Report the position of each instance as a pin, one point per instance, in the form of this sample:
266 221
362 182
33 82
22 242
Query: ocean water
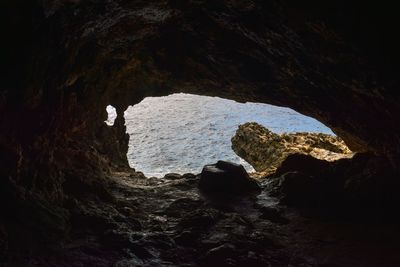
181 133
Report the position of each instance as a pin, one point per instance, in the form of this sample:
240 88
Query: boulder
303 180
226 178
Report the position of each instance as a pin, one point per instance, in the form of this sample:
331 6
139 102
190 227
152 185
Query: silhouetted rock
348 187
225 178
305 181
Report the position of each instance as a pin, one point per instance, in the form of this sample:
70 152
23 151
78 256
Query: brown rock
266 150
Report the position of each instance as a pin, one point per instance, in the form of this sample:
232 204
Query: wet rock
266 150
225 178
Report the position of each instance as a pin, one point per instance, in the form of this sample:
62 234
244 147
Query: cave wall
118 52
65 61
261 51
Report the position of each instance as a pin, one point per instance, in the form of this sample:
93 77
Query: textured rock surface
360 186
155 222
266 150
226 178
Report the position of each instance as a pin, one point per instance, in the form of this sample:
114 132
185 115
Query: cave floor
155 222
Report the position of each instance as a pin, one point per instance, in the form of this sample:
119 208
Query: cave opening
111 115
181 133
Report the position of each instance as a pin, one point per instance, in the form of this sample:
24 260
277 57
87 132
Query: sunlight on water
181 133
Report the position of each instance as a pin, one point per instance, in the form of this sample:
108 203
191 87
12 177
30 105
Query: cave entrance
112 115
181 133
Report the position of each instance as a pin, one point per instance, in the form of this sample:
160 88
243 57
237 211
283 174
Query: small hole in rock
112 115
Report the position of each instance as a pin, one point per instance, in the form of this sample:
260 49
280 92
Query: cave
68 196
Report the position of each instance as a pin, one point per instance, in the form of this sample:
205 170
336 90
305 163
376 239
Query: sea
181 133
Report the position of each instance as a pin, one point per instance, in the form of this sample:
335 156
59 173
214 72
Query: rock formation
266 150
226 178
355 187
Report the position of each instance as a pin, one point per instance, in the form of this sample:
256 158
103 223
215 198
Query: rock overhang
245 55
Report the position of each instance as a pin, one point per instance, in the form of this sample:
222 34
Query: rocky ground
167 222
266 150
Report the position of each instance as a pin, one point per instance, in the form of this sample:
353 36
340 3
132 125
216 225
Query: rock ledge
266 150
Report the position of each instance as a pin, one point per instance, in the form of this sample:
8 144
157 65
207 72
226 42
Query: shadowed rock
350 187
225 178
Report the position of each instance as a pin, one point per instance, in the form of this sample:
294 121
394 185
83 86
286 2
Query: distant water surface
181 133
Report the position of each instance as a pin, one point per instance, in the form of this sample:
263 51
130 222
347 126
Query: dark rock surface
168 223
350 187
226 178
